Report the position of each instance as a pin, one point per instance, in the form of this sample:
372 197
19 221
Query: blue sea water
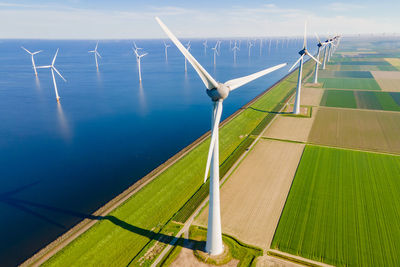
59 162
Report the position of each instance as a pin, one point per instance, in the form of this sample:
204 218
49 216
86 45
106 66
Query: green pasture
344 74
343 209
349 83
120 237
339 98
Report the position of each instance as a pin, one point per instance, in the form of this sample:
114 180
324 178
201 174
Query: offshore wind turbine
138 57
166 50
96 54
205 47
250 45
33 60
53 69
216 52
235 49
319 45
302 53
217 92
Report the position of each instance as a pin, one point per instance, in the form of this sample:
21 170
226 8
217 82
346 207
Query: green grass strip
343 209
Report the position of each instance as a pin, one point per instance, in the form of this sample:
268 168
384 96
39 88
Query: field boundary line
296 259
362 109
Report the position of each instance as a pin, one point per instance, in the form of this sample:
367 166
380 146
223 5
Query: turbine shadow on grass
30 206
269 111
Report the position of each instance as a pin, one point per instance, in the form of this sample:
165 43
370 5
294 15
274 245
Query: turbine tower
53 69
33 60
138 57
166 50
188 49
250 45
217 92
302 53
319 45
96 54
205 47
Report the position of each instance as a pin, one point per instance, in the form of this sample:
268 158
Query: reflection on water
37 83
142 99
63 123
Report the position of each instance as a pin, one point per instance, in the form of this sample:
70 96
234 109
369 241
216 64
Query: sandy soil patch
388 80
395 62
252 199
310 96
269 261
291 128
186 258
359 129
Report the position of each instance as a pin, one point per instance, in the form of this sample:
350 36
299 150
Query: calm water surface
59 162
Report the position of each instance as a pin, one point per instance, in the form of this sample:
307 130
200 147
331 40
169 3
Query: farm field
358 129
343 209
395 62
350 83
291 128
344 74
253 197
388 80
361 100
119 237
310 96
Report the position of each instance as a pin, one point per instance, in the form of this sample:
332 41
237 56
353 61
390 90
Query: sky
127 19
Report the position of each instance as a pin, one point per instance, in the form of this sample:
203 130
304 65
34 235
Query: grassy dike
116 239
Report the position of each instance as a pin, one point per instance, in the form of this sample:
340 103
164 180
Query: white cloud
340 6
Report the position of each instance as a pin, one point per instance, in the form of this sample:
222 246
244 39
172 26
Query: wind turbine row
217 92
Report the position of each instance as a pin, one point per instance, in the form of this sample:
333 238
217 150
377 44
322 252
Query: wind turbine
53 69
205 47
216 52
96 54
33 60
217 92
319 45
250 45
234 49
188 49
138 57
166 50
302 53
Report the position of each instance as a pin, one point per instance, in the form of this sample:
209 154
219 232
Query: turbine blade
54 59
59 73
295 63
43 67
208 81
143 55
305 35
313 58
97 53
213 138
26 50
316 35
235 83
95 49
37 52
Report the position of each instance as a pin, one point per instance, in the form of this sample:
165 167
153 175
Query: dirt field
359 129
388 80
291 128
310 96
253 198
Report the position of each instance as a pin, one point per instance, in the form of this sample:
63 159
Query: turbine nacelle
219 93
303 51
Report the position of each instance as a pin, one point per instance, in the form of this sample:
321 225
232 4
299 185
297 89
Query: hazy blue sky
204 18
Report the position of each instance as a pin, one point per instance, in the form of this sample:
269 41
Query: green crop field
344 74
361 99
339 98
119 237
364 67
374 63
343 209
350 83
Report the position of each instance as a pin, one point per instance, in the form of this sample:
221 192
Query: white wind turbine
138 57
216 52
302 53
96 54
166 50
53 69
188 49
217 92
250 45
205 47
33 60
235 49
320 46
